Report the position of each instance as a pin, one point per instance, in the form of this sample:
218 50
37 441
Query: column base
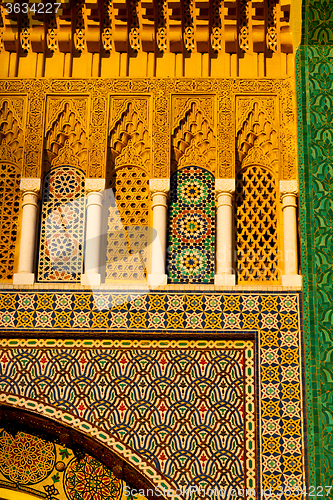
225 280
291 280
155 280
23 279
91 279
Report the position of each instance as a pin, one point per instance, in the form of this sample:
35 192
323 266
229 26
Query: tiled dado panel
158 395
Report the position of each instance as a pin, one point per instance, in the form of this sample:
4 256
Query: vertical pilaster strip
30 191
93 236
288 193
225 142
315 148
159 189
224 191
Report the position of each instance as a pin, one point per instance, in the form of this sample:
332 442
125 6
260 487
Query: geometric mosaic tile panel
191 237
189 411
103 312
62 226
32 368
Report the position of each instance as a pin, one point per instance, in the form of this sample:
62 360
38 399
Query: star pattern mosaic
103 311
62 226
191 238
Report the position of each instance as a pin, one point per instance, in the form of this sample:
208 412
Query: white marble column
224 191
288 193
159 189
94 212
30 191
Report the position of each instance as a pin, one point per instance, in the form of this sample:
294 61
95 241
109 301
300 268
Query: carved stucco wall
77 111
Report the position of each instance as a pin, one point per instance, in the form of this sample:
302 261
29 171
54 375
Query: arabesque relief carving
12 130
151 143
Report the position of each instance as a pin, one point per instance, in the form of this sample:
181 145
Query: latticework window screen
62 225
191 238
127 225
256 225
9 214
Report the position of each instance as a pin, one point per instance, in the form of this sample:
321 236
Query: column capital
224 186
159 186
30 184
94 185
288 188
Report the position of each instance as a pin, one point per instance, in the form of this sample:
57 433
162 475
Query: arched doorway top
75 432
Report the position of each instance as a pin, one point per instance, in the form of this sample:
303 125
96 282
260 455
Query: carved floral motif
158 129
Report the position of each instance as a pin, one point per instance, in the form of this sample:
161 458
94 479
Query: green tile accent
314 67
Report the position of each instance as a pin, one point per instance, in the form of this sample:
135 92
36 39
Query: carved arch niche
66 137
11 152
60 256
129 166
256 198
193 139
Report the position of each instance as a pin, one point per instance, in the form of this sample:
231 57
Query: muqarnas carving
193 138
63 206
257 241
128 203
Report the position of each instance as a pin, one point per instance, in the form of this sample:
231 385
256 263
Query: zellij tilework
191 408
191 240
314 65
62 226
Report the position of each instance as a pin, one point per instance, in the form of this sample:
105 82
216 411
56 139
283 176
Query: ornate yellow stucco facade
150 285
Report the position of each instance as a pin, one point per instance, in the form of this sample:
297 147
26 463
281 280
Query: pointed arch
191 234
128 204
11 134
129 136
257 139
